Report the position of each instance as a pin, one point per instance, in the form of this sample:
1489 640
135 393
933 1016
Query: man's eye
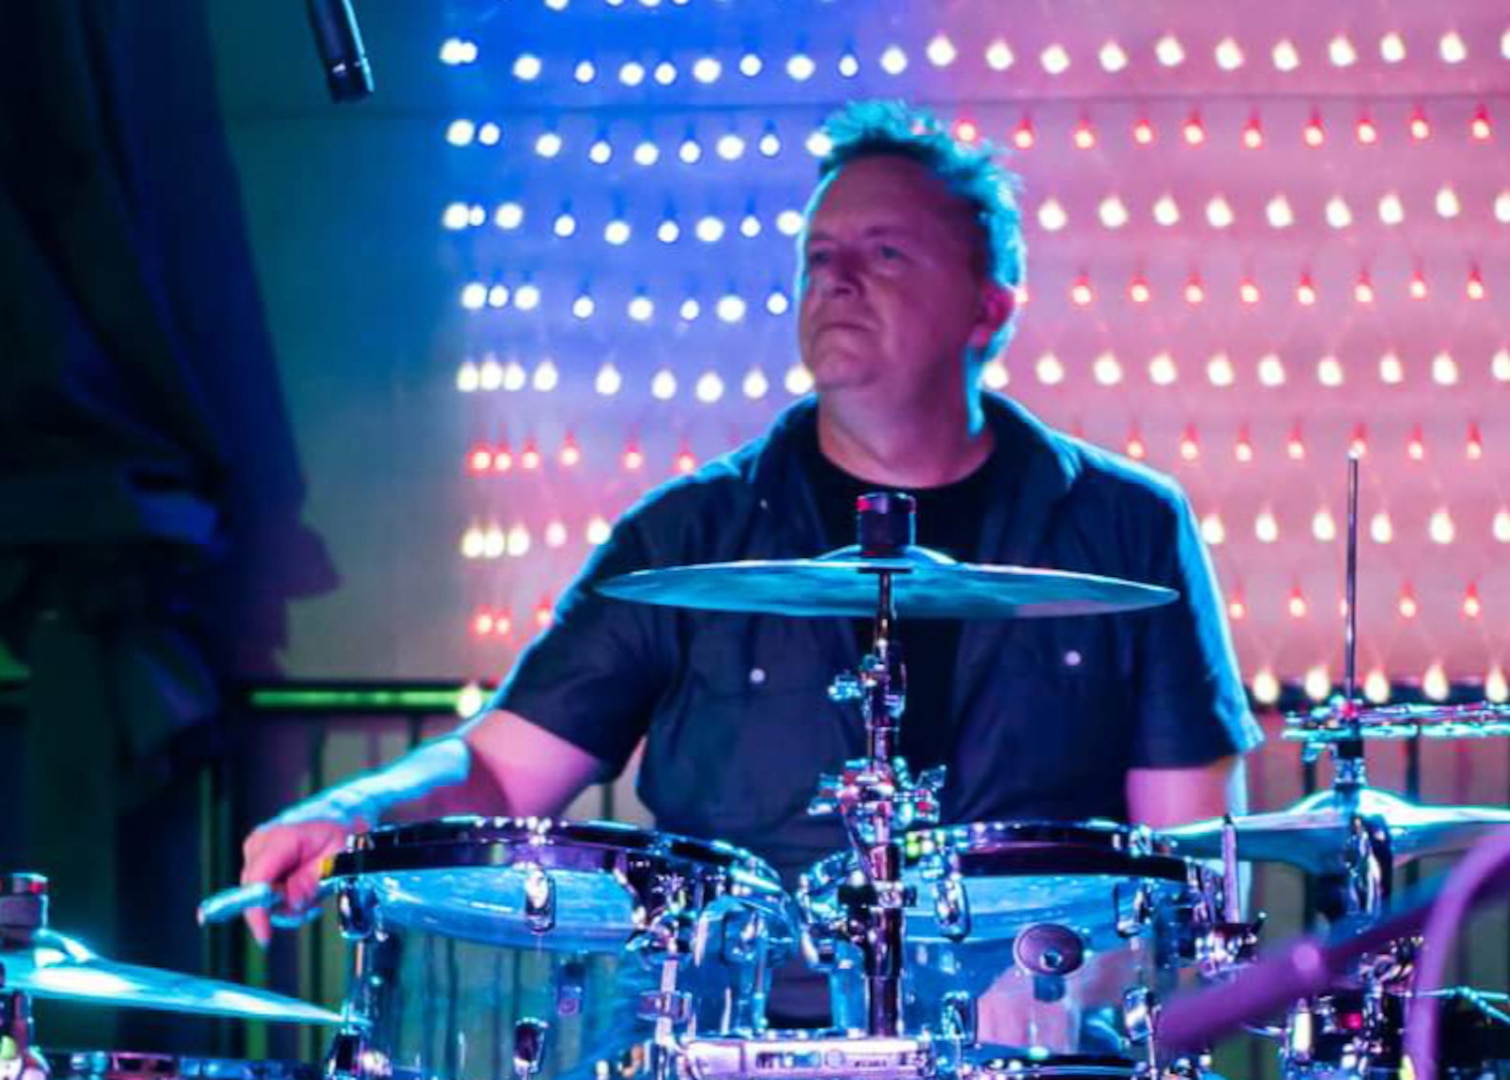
887 251
817 258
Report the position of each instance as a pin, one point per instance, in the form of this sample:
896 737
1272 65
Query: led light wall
1259 238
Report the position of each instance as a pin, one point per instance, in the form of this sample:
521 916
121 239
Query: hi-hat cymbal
55 966
1333 724
1312 833
925 584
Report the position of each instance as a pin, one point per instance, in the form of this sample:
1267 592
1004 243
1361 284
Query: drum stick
227 904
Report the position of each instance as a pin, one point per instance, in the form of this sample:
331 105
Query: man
910 260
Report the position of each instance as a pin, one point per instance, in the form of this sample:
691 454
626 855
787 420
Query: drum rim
413 846
987 849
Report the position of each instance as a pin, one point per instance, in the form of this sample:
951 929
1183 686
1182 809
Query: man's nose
840 277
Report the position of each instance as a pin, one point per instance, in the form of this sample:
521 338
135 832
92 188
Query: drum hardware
352 1057
803 1056
354 905
529 1046
539 900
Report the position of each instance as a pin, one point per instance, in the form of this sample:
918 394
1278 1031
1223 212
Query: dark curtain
149 487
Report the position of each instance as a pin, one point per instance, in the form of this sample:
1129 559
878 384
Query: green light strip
378 699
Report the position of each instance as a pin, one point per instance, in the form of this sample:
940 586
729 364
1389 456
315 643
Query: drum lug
539 900
1134 908
1140 1008
951 906
530 1045
672 1005
355 905
351 1058
957 1025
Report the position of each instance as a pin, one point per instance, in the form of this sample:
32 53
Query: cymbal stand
875 795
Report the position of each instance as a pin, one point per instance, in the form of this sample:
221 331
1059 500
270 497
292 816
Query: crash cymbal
926 584
1312 833
1331 724
52 965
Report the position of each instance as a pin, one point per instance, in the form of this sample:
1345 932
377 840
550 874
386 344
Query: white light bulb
598 531
617 232
690 311
461 132
1213 531
1338 216
994 375
1391 209
583 307
1448 204
1380 529
1324 526
893 60
646 153
1266 527
1441 528
1434 684
1166 211
1453 49
546 377
1049 369
1501 526
1113 57
1162 370
668 232
750 65
777 303
641 309
600 152
710 230
1271 371
632 74
527 67
1266 688
490 375
1341 52
730 147
498 296
1051 215
663 385
789 222
1392 48
941 51
1169 51
999 55
1502 207
518 541
690 152
1444 369
849 65
800 68
755 385
1219 213
665 73
457 216
798 380
1318 683
565 226
515 378
1285 56
1106 370
1376 687
749 226
1219 370
585 72
1279 213
1499 366
730 308
608 380
707 70
1391 370
819 144
1055 60
1329 372
709 388
1229 55
467 377
1113 212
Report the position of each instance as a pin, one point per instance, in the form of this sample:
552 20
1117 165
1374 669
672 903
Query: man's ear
997 302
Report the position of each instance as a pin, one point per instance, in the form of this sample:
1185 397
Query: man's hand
289 857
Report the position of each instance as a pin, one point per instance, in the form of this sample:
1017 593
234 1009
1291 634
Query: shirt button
1072 658
757 676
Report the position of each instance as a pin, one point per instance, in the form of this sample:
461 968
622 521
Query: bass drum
499 947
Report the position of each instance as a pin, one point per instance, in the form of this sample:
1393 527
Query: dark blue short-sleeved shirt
1049 715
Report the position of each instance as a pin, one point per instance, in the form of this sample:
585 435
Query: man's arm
498 763
1162 798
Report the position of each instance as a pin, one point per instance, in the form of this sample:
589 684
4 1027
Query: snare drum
489 948
1050 943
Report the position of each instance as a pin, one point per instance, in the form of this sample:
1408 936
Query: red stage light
1253 133
1242 449
966 131
634 458
1409 607
1248 291
1190 446
1479 127
482 623
1195 292
1475 446
1136 449
1023 136
1081 292
1138 292
1473 607
503 459
1418 290
1193 130
1475 286
1358 446
544 613
1297 605
571 453
480 459
529 456
685 462
1084 135
1305 292
1315 134
1143 132
1416 447
1420 127
1295 445
1363 291
1368 134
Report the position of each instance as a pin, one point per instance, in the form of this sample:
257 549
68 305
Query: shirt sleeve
592 677
1192 707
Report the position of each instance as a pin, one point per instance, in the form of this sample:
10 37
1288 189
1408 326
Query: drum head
553 885
132 1065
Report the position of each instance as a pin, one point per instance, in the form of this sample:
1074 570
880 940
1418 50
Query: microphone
339 43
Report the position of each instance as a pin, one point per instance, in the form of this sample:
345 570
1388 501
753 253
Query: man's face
892 298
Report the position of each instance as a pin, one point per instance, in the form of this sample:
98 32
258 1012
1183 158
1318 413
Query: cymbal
55 966
1311 833
925 584
1330 724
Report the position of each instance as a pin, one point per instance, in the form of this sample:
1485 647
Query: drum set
534 949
